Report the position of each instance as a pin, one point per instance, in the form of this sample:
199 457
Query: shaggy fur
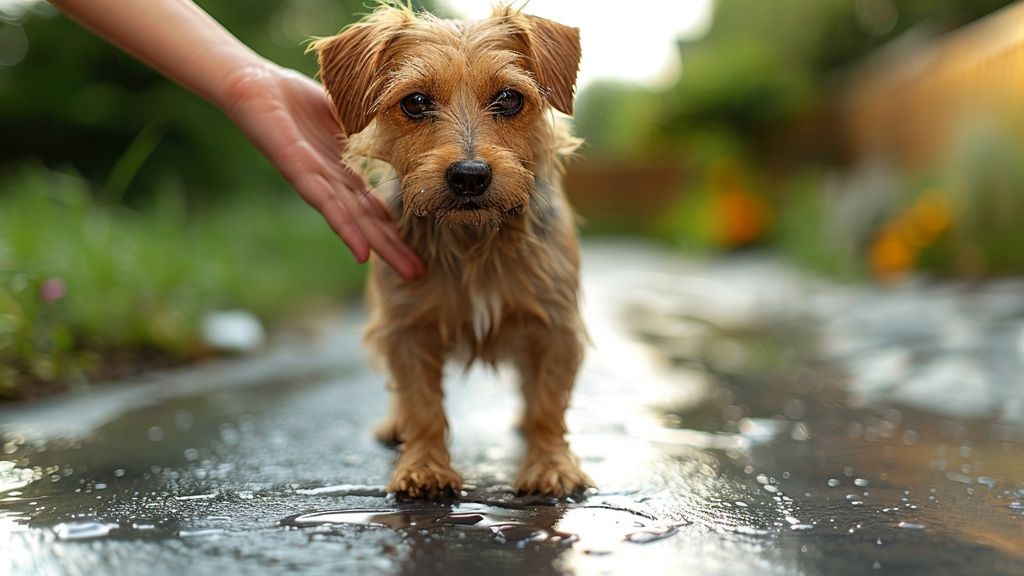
502 267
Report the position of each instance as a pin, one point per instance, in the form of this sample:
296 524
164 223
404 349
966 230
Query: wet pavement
737 417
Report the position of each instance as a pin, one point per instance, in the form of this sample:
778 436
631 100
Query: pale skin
285 114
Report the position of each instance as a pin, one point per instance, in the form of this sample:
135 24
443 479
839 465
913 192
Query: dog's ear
553 50
352 62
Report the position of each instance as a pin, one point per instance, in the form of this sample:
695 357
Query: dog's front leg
416 361
548 365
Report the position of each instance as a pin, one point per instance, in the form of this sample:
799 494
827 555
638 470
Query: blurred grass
85 286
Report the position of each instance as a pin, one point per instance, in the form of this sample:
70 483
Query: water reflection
882 414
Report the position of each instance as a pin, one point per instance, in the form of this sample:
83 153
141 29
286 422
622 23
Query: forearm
175 37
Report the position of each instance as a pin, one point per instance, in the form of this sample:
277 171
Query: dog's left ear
553 50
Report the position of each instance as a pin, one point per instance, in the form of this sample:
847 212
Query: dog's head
458 109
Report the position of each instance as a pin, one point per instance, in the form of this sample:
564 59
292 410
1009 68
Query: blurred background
865 140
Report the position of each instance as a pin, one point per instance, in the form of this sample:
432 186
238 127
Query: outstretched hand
289 118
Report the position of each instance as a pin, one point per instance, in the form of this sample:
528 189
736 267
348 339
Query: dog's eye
507 103
417 105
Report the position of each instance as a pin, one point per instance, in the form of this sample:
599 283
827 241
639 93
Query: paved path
738 418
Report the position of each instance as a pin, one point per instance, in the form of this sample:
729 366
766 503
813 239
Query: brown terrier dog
459 112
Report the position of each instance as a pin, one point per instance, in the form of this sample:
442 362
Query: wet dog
456 117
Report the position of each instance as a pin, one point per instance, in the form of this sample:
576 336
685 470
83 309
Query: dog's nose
469 177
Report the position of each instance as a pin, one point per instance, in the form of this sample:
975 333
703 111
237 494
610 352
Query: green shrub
83 283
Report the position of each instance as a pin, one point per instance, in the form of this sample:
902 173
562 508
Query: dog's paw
386 432
424 478
555 475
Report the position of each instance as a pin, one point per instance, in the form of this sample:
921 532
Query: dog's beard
444 208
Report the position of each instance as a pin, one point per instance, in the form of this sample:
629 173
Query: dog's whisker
375 187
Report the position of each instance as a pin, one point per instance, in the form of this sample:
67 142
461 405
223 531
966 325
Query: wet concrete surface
737 417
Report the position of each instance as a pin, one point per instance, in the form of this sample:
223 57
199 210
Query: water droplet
83 530
183 420
467 519
877 565
832 482
794 409
155 434
800 433
743 504
909 437
861 482
801 527
345 490
200 533
119 473
1016 505
229 436
911 526
197 497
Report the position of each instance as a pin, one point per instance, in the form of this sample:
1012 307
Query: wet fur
502 277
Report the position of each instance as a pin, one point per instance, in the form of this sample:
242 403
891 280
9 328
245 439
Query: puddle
592 528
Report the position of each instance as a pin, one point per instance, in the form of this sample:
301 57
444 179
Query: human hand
288 117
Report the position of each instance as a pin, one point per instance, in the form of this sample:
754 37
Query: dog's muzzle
468 177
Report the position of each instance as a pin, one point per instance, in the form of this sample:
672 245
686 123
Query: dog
459 115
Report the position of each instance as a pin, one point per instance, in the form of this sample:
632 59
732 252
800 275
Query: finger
345 210
377 208
385 242
349 232
316 190
379 230
386 223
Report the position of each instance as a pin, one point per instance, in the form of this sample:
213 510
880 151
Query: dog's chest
485 312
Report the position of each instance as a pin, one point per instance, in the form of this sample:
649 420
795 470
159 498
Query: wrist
233 75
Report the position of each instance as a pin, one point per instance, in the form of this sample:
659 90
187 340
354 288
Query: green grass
136 282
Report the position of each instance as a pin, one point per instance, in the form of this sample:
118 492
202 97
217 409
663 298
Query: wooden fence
909 102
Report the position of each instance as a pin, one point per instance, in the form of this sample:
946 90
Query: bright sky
632 42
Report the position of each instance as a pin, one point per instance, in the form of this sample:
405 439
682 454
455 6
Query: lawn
89 290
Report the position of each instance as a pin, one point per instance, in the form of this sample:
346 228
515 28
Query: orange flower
741 217
891 256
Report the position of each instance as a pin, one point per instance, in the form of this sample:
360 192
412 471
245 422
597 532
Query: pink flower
53 289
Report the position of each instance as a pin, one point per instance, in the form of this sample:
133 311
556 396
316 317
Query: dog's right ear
352 62
552 51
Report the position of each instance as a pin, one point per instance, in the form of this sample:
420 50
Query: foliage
765 71
80 280
77 103
959 218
